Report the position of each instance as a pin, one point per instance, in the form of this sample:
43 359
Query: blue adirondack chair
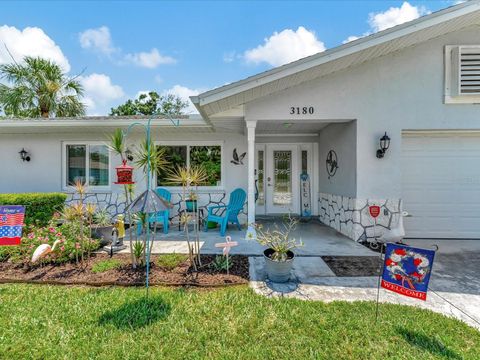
162 217
235 205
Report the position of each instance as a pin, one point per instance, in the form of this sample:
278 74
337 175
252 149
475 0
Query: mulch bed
125 275
353 265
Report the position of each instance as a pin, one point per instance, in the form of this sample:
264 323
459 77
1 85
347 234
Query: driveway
454 280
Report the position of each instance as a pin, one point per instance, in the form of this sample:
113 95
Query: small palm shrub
171 261
221 263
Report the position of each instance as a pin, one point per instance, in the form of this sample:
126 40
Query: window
89 163
207 156
462 74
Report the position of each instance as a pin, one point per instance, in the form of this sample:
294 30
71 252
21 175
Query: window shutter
469 70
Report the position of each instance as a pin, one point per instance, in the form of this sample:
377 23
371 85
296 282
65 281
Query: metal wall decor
331 163
237 160
24 155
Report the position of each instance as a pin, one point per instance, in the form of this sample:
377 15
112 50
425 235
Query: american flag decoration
11 223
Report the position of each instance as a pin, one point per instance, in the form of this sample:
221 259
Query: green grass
106 265
170 261
48 322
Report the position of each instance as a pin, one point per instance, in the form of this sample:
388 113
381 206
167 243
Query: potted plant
278 256
191 202
102 227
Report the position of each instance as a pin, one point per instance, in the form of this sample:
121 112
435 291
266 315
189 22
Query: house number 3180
297 110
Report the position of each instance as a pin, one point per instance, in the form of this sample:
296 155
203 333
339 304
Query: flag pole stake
380 267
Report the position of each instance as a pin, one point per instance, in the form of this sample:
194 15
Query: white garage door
441 185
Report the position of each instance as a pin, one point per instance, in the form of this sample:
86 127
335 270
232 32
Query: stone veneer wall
115 203
350 216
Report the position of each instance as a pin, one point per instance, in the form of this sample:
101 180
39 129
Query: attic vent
462 74
469 71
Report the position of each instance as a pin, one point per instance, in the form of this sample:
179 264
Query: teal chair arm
216 207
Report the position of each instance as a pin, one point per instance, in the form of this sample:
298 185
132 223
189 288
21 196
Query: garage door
441 185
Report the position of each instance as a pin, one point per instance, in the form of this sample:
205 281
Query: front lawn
57 322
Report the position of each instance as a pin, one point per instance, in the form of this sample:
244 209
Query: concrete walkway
318 240
454 278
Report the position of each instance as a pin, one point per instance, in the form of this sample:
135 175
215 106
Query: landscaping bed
101 270
354 265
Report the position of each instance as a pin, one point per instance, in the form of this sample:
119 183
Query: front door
282 182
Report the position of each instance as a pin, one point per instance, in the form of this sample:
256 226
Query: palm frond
116 142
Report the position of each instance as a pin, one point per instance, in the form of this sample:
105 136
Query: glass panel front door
282 173
282 177
260 179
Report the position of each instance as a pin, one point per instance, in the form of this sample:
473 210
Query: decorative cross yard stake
226 247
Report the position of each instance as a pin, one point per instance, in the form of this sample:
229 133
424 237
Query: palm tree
39 87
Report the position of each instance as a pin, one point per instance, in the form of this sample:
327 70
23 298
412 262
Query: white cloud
97 39
351 38
150 59
184 93
285 46
391 17
100 40
99 91
395 16
31 41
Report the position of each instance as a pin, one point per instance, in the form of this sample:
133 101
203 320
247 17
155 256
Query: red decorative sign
374 211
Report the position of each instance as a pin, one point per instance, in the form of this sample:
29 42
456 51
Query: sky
119 49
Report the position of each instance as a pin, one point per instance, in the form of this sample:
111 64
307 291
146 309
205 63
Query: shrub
171 261
106 265
221 263
39 207
67 249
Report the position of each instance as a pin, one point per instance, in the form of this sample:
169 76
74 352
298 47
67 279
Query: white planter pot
278 271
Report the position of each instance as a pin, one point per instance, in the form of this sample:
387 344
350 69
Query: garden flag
11 223
406 270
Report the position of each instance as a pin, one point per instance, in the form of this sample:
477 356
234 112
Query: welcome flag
407 270
11 223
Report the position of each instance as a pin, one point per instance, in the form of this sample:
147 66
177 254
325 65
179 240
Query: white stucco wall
44 172
403 90
342 138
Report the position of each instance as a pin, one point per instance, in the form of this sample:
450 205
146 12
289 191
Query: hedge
39 207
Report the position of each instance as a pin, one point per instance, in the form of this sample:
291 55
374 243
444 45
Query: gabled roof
353 53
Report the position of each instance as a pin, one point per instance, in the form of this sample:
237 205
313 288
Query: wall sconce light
384 144
24 155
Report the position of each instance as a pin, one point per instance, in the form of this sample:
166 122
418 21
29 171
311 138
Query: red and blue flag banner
11 223
407 270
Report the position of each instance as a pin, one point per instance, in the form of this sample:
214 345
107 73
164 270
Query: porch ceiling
279 127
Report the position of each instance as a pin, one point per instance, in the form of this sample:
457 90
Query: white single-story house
323 115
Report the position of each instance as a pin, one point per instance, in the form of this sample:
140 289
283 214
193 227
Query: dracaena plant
189 178
278 238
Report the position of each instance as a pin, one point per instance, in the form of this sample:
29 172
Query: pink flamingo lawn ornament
43 250
226 247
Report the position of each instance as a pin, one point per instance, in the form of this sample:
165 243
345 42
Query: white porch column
251 124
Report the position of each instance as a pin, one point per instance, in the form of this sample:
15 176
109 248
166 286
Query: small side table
200 219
